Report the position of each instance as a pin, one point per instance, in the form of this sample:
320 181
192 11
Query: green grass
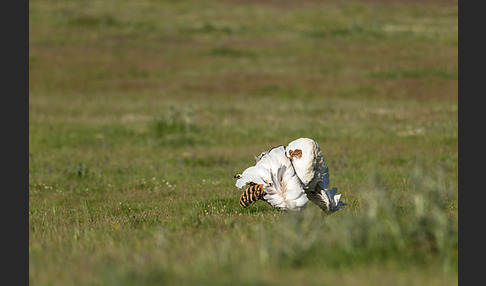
141 112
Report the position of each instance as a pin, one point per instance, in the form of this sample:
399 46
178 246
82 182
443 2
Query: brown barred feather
297 153
252 194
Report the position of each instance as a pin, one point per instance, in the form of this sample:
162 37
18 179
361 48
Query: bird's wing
326 199
324 177
256 174
282 186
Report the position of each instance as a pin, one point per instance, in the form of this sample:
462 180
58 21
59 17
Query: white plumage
292 175
274 170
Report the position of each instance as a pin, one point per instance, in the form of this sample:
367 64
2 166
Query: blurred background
141 112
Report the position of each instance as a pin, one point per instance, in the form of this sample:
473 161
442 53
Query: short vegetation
141 113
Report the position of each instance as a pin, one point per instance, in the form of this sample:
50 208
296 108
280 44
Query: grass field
141 112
